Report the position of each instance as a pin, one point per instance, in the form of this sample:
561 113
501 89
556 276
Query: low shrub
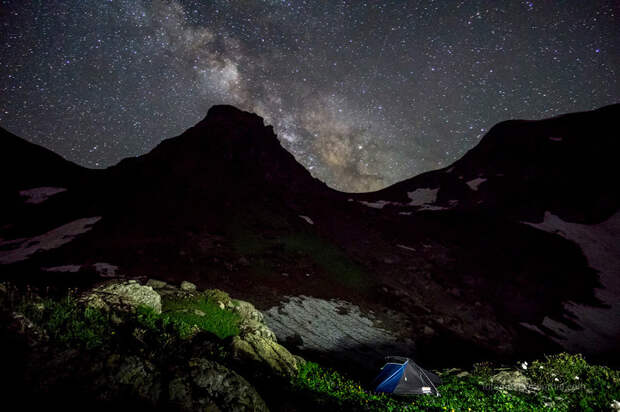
599 387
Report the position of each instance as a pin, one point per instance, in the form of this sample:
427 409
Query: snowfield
420 197
328 326
600 246
40 194
63 268
378 204
106 270
16 250
474 183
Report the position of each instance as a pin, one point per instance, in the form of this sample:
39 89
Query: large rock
187 286
257 343
266 353
122 296
218 388
141 375
247 311
512 381
254 327
252 322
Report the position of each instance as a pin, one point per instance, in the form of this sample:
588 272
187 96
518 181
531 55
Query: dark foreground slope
495 255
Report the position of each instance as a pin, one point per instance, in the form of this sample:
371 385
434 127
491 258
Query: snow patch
307 219
16 250
404 213
327 326
533 328
473 184
406 247
377 205
555 139
40 194
63 268
432 207
421 197
601 248
105 270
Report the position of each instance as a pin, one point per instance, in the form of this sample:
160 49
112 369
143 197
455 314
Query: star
364 94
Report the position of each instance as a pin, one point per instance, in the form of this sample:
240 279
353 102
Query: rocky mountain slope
127 345
496 254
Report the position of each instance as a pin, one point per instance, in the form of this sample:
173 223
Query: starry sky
363 93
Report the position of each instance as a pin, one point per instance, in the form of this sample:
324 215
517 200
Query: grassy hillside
559 382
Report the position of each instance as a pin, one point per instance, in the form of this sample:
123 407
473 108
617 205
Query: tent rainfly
402 376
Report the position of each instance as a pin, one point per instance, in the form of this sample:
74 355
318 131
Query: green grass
327 256
566 382
291 247
66 321
599 386
202 312
63 320
267 238
585 387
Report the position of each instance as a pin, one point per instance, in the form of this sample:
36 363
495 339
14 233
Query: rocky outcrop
122 296
135 370
257 343
512 380
252 321
266 354
226 390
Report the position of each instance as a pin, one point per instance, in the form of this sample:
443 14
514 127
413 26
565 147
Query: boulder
221 298
254 327
512 380
180 393
156 284
247 311
266 353
188 286
141 376
257 343
219 388
122 296
251 322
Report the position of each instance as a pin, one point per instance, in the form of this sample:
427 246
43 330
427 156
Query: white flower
556 379
524 365
576 377
540 367
615 405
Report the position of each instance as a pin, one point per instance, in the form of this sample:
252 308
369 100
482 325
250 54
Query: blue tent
402 376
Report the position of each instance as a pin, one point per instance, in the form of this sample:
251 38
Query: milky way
364 94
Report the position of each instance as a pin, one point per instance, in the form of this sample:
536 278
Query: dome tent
402 376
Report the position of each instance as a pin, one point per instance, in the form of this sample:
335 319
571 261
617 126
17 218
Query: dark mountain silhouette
450 257
24 164
520 169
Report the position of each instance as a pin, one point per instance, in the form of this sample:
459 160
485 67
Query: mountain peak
231 115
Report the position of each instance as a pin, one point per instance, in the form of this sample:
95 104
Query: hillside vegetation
164 347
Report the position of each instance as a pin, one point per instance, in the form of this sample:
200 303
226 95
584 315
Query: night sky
364 94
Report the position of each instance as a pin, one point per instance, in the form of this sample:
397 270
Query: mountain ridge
427 261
